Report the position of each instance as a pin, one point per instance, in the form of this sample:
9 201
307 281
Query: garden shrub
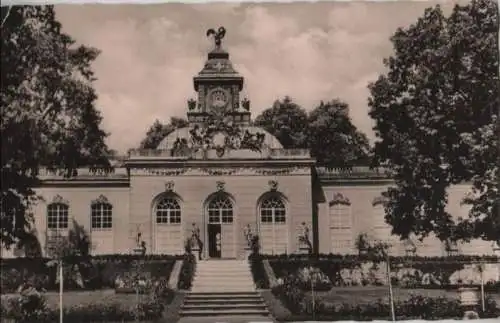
258 271
187 272
96 272
312 277
31 306
415 308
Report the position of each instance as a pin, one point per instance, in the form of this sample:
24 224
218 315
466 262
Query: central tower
218 86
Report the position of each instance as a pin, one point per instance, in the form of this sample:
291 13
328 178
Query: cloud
311 52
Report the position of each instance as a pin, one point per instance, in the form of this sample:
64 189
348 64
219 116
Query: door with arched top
220 229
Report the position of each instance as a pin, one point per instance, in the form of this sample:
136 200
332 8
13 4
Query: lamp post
61 286
391 295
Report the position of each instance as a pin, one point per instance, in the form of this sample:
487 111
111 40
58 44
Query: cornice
221 171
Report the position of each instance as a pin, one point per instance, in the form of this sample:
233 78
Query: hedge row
81 273
416 272
187 273
395 260
258 271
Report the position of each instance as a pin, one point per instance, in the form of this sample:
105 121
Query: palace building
223 180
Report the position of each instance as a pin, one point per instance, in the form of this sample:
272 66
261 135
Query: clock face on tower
218 98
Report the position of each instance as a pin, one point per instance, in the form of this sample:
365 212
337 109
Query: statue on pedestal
247 232
140 247
196 242
304 238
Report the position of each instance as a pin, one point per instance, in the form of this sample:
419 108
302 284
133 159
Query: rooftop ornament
217 35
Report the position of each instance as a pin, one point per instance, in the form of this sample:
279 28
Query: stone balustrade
327 173
187 153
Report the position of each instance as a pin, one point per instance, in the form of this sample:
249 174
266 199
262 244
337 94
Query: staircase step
223 306
224 294
229 300
208 312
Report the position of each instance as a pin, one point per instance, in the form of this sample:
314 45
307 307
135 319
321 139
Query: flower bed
91 273
31 305
415 272
301 307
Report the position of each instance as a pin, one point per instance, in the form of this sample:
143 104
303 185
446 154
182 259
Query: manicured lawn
368 294
73 298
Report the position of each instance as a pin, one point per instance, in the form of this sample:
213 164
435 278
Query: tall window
168 211
102 215
340 216
220 210
57 216
340 228
272 210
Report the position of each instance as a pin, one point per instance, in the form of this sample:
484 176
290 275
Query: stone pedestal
248 252
303 250
196 252
138 251
469 300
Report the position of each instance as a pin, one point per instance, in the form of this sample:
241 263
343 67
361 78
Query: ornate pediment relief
339 199
58 199
379 200
100 200
169 186
273 185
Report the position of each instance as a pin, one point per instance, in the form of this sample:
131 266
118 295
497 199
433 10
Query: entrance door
214 240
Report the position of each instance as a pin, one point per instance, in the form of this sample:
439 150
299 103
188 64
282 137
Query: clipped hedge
406 272
188 269
97 272
258 271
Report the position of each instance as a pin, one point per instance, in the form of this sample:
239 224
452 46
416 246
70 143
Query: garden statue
196 242
140 245
304 238
247 232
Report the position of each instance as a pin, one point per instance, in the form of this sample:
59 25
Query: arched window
272 210
220 210
168 211
101 215
57 216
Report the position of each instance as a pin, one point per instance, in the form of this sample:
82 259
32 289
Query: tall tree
435 113
48 110
333 139
158 131
287 121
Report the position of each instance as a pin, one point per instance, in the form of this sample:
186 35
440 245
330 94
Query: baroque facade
219 181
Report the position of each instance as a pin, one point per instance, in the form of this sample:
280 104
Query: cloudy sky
309 51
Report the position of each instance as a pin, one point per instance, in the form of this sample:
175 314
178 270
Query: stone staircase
223 288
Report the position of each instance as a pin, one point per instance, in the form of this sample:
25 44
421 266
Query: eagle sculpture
218 35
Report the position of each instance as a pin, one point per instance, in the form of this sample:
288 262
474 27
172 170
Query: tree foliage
435 113
327 131
158 131
48 110
332 137
287 121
